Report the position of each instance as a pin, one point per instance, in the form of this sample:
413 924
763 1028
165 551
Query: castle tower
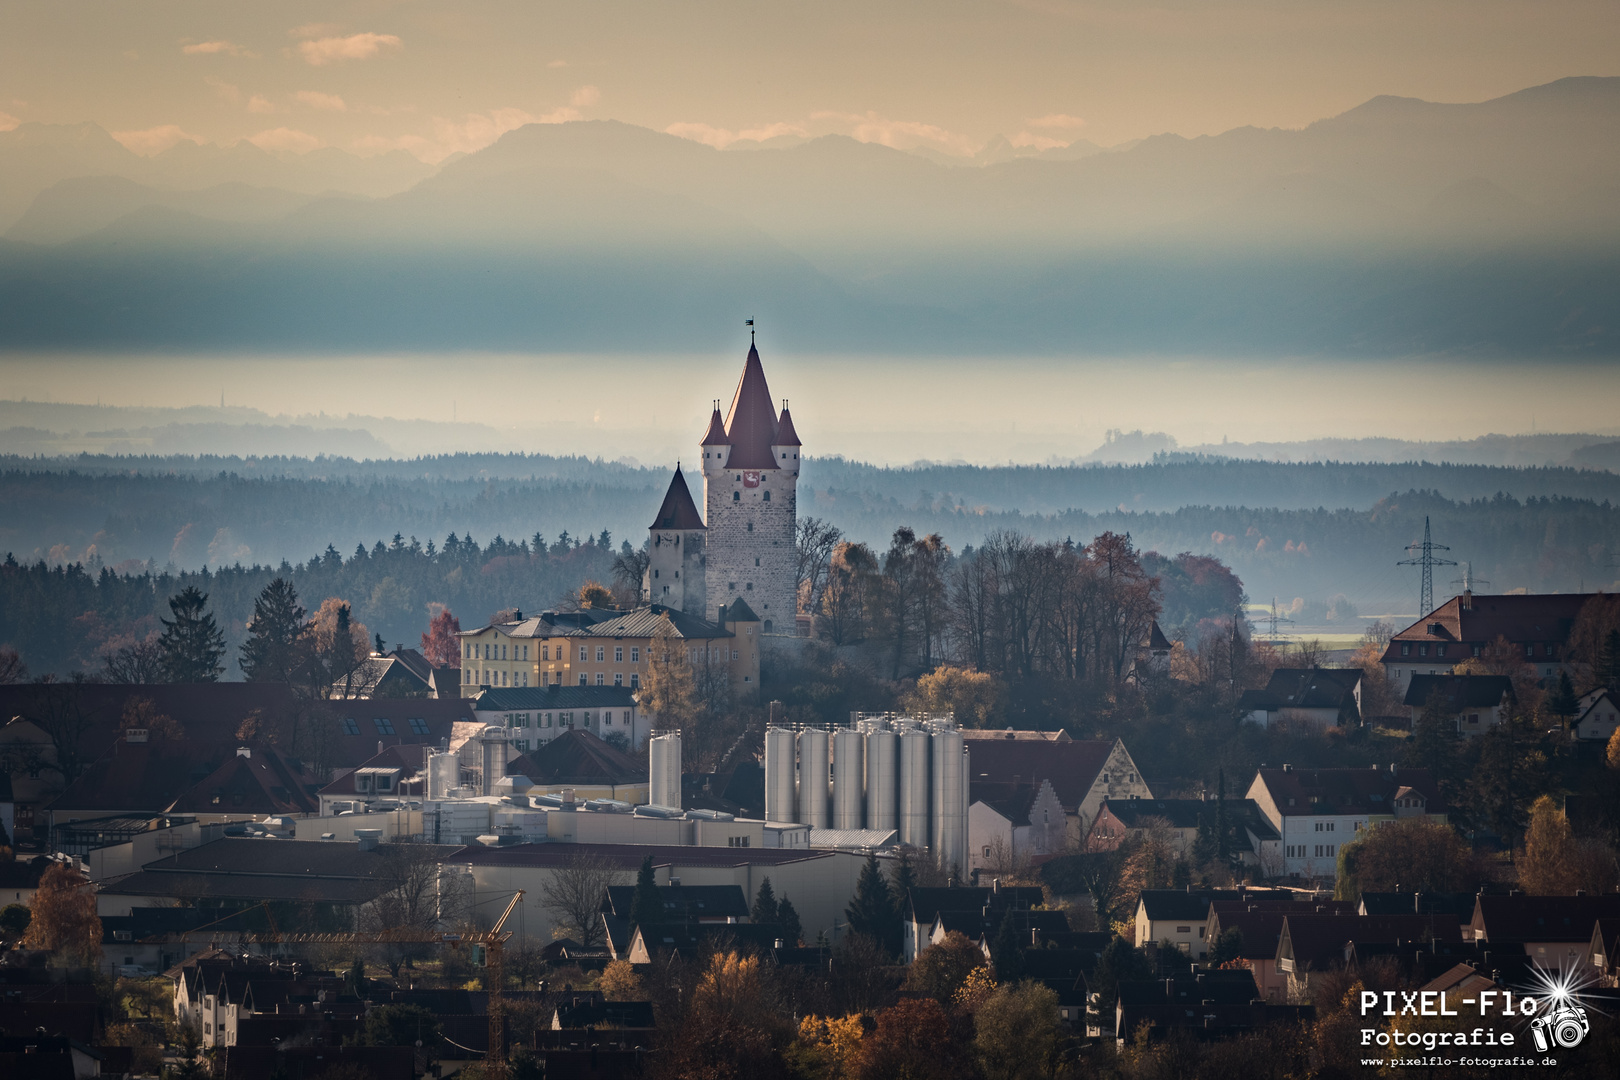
675 566
750 482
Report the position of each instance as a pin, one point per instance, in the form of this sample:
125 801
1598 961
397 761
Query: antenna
1426 559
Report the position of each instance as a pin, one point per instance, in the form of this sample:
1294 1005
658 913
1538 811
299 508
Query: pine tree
646 907
787 917
1223 842
1433 735
765 909
1007 951
905 879
273 651
1562 702
192 644
871 911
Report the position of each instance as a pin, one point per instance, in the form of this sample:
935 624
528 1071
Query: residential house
1082 773
1597 717
608 647
722 905
1315 811
1313 944
1536 625
1603 951
405 673
535 716
1315 698
1011 826
1182 819
924 908
593 1012
19 878
1204 1005
1556 932
1176 916
1474 703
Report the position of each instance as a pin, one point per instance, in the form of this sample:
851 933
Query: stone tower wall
676 568
750 543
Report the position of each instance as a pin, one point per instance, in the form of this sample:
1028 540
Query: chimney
1287 767
368 838
244 751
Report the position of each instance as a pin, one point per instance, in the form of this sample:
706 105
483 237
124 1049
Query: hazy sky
433 78
909 408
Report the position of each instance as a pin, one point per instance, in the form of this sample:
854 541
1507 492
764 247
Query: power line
1428 561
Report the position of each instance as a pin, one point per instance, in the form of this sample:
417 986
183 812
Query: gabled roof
1459 692
1317 942
1071 766
608 622
926 902
616 1014
1460 904
1304 688
264 782
1179 813
1175 905
751 425
1346 791
1504 920
678 510
1011 801
1520 618
578 757
145 778
738 611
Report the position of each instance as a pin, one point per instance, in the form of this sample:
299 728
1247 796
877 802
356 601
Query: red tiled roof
408 759
785 435
264 783
1513 920
1545 618
1317 941
751 426
678 511
578 757
1071 766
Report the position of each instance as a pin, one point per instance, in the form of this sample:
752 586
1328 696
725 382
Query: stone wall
750 543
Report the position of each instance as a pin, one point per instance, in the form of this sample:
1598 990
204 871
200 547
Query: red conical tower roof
751 427
716 435
785 435
678 511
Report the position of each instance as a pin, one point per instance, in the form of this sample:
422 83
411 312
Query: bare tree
139 664
12 668
573 894
58 710
408 872
814 542
629 567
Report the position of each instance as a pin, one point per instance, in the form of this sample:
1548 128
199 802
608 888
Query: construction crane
488 945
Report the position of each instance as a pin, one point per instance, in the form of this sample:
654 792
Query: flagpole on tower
750 324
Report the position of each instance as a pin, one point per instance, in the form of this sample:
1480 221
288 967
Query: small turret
786 447
716 444
675 552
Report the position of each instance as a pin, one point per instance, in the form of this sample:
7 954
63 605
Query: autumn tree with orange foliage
733 1030
64 919
441 644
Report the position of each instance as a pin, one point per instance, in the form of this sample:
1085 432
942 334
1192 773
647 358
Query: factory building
880 773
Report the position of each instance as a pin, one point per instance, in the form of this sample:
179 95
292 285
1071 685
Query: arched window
736 496
767 496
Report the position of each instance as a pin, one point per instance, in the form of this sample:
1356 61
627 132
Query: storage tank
444 774
914 769
882 780
664 771
950 810
493 741
813 778
849 778
781 752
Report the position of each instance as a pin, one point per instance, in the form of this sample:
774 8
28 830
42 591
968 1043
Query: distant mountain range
1399 227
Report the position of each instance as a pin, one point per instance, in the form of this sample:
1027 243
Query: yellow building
606 647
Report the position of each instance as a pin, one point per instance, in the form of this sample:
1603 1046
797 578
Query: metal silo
781 752
664 771
813 778
849 778
914 808
882 780
950 810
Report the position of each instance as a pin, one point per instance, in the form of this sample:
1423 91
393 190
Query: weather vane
750 324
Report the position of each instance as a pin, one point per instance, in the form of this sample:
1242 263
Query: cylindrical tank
493 741
914 808
780 752
813 778
664 771
950 813
849 778
882 780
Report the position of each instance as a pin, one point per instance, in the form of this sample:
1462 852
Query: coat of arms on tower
750 479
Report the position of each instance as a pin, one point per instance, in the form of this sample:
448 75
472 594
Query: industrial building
907 774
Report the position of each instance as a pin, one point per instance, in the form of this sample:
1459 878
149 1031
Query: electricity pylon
1428 561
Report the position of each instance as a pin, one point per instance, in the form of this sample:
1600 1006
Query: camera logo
1563 1027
